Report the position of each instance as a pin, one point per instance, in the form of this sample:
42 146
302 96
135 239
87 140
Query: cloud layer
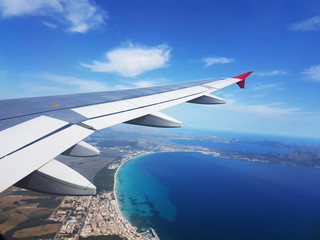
313 73
132 60
310 24
76 16
267 86
75 83
209 61
273 110
269 74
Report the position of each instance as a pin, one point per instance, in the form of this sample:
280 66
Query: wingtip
243 78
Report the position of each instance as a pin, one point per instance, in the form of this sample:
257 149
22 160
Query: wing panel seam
37 140
109 114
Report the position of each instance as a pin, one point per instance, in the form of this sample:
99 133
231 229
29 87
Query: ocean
189 195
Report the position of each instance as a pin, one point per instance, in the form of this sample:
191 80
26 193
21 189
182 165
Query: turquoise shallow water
196 196
149 197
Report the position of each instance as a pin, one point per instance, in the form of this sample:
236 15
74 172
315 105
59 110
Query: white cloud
50 25
209 61
143 83
11 8
67 84
75 83
313 73
269 74
132 60
77 16
310 24
266 86
137 84
273 110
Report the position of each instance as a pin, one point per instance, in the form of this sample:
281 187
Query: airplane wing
33 131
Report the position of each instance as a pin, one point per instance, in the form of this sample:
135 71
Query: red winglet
243 78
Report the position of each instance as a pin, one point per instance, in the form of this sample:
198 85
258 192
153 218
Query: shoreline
140 154
115 193
115 184
117 205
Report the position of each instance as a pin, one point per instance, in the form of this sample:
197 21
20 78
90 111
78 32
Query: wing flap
27 132
104 108
26 160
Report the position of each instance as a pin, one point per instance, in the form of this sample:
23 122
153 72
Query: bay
187 195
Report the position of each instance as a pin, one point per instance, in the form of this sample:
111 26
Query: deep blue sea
188 195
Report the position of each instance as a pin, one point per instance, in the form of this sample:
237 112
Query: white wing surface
33 131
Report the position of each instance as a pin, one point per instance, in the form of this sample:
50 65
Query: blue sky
52 47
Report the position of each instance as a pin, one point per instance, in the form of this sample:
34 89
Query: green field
104 179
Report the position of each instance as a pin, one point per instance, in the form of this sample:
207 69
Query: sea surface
189 195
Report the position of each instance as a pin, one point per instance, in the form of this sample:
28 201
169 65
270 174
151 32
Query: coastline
117 205
243 182
115 193
115 184
142 153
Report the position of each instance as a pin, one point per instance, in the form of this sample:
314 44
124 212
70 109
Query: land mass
28 215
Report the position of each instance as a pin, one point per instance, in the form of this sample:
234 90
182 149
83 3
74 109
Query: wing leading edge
33 131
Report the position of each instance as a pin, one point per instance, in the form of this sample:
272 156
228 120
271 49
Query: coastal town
94 216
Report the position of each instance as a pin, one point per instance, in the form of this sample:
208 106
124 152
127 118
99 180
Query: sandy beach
115 193
156 237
